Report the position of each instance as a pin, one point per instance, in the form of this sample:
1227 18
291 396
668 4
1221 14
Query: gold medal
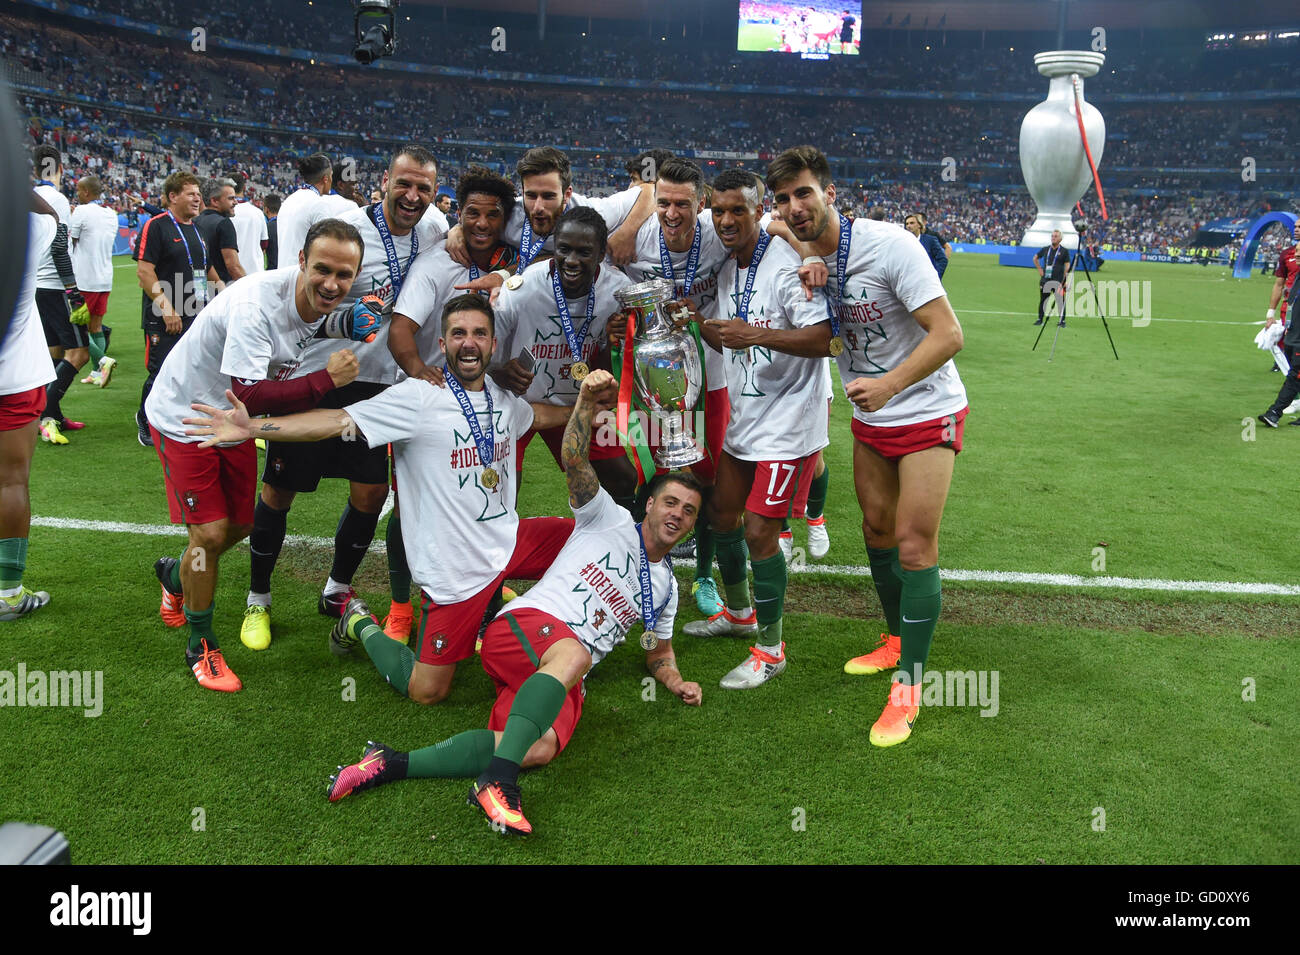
837 346
489 478
649 641
514 282
579 370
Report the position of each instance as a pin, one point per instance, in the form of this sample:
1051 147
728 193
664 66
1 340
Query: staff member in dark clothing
173 269
217 226
847 22
915 224
1291 346
1053 264
271 206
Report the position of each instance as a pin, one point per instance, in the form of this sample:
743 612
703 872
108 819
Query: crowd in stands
892 59
302 96
177 94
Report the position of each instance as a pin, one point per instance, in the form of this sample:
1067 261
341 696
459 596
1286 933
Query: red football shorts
780 488
96 303
208 484
447 632
894 443
21 408
512 650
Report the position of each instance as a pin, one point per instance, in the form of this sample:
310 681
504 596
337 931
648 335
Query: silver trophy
666 370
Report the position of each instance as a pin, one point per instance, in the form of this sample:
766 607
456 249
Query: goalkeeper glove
74 297
360 323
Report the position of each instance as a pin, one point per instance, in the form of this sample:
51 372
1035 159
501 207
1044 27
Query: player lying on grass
611 575
453 448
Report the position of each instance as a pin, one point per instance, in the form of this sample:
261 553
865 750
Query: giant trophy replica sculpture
666 369
1052 151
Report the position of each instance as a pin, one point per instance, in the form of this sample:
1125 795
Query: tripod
1079 259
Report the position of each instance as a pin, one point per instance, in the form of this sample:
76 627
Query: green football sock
733 563
392 659
464 755
97 348
705 546
921 600
886 574
13 561
200 622
536 706
817 493
399 574
769 597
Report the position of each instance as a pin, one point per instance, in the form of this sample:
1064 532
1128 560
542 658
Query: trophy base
678 456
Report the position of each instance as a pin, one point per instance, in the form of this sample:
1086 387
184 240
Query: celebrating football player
452 447
486 201
681 245
553 316
250 338
896 337
612 575
773 340
393 240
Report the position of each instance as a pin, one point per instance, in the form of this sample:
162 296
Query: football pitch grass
1131 726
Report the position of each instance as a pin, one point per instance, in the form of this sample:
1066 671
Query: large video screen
815 29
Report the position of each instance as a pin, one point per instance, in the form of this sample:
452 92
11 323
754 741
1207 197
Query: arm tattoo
269 427
659 665
574 452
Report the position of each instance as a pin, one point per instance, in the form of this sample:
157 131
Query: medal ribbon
650 616
566 321
186 242
395 270
486 449
841 274
692 261
527 247
764 238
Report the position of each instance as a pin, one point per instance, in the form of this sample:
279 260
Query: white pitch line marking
1110 318
846 570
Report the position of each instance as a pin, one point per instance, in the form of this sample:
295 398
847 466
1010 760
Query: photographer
1053 264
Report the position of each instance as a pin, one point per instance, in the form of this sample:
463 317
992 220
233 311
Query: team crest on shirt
544 631
598 619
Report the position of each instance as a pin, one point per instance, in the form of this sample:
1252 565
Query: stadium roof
955 14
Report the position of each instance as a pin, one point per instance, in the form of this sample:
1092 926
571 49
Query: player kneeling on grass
250 337
454 450
611 575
